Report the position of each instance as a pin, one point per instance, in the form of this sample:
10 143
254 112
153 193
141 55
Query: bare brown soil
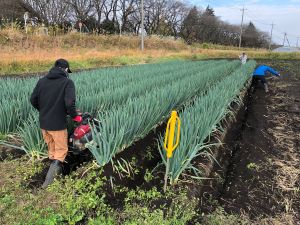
9 153
260 173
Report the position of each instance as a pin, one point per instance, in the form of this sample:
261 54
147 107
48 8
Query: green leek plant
107 99
117 93
96 90
121 126
199 120
32 139
9 114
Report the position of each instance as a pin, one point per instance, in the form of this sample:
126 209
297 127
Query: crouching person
259 75
54 98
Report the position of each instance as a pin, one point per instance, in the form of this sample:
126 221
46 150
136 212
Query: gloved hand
77 119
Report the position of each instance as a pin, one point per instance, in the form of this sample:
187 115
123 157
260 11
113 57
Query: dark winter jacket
54 98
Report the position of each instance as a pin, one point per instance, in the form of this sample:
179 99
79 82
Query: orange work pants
57 142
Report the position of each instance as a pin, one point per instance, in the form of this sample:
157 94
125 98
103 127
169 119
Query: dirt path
261 167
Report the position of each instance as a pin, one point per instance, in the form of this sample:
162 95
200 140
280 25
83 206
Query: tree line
173 18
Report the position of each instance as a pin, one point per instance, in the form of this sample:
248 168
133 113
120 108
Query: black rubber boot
47 160
55 169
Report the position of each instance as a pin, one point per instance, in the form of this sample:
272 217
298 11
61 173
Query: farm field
119 179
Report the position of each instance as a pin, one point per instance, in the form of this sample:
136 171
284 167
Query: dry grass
287 165
36 53
14 39
44 55
284 219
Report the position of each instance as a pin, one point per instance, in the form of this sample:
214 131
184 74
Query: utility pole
271 36
142 25
287 40
241 32
297 42
26 17
284 39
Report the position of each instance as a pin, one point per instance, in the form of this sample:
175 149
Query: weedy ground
255 182
23 54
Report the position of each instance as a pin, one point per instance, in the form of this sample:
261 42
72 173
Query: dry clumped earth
284 110
285 133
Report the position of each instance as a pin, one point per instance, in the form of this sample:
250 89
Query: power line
250 15
276 36
256 17
256 20
294 35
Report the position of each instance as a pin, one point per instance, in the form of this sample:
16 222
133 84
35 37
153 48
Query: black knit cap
62 63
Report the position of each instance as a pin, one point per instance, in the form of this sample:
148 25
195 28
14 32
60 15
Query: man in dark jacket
259 74
54 98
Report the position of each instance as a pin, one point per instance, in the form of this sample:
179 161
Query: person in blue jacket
260 73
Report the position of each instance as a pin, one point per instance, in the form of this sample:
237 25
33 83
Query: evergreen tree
190 26
209 11
251 37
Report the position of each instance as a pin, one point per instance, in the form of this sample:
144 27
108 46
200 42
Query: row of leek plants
31 137
115 78
122 126
30 133
109 78
15 110
15 88
103 101
199 120
29 129
15 106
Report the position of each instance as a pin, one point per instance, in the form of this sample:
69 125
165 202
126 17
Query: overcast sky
284 13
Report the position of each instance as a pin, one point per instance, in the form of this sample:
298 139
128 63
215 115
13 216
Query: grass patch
92 59
75 200
220 217
22 54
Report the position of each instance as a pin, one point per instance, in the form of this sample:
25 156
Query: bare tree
253 37
11 9
99 7
176 12
190 26
162 17
81 9
126 9
50 11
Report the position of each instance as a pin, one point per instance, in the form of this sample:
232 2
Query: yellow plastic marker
170 134
169 140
